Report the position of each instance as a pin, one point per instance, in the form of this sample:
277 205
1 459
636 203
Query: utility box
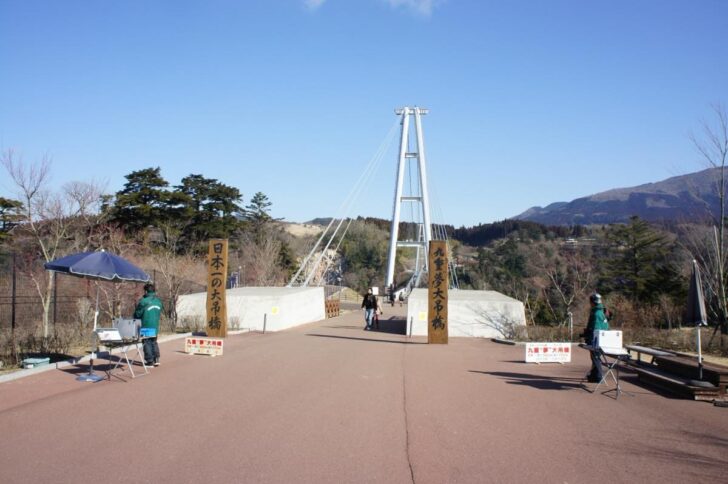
35 362
128 328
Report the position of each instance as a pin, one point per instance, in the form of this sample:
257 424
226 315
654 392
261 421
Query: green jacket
149 309
597 322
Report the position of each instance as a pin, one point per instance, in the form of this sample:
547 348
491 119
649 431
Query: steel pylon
421 198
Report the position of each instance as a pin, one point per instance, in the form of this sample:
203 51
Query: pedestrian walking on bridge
370 306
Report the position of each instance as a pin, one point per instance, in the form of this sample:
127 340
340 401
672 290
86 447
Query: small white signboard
548 352
203 346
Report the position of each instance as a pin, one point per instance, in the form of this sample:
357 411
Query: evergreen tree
144 201
512 260
639 264
211 210
9 216
257 215
364 255
286 259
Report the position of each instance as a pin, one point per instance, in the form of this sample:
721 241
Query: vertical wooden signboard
438 283
217 261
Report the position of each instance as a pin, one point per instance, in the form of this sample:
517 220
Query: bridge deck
329 402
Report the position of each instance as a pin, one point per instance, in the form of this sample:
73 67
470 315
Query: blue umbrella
100 266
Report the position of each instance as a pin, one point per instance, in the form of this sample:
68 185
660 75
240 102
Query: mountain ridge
685 197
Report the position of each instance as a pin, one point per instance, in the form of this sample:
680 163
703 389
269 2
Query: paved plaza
329 402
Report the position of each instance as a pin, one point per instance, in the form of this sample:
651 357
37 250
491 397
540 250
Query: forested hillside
641 268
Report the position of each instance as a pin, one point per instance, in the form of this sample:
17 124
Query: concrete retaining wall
485 314
248 307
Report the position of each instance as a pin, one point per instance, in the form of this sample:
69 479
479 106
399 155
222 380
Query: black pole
55 299
12 300
12 309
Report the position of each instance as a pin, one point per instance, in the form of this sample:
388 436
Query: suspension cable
443 234
336 250
345 207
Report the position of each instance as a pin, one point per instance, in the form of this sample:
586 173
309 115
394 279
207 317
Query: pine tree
212 209
144 201
257 215
639 264
9 216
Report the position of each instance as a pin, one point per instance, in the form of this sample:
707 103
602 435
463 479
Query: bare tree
260 259
568 274
48 219
712 144
505 324
174 273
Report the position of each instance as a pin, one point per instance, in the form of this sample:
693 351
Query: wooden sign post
217 261
438 283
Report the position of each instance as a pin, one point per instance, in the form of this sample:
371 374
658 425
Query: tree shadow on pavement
705 468
371 340
537 381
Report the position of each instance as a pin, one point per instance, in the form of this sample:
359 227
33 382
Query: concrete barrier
480 314
250 307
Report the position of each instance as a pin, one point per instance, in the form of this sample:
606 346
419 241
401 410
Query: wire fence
73 301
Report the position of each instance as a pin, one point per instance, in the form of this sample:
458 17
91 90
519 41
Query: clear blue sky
531 102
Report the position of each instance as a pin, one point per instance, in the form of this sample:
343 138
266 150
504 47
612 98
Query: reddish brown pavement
329 402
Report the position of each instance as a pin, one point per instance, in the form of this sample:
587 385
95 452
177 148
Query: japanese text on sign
217 259
548 352
203 346
437 293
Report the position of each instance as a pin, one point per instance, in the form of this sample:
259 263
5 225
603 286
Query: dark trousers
151 351
596 369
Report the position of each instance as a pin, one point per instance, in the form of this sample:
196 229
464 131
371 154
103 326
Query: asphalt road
329 402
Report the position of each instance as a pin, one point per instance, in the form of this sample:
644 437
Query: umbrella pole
700 355
91 376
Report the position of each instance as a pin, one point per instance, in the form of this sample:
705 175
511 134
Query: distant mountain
319 221
687 197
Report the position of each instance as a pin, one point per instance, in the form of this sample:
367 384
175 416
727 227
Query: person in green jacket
149 309
597 321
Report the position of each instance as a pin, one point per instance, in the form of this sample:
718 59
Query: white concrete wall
247 307
484 314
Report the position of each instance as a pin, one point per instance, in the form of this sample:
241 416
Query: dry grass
302 230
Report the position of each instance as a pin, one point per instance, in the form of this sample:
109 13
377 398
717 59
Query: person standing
149 309
597 322
370 306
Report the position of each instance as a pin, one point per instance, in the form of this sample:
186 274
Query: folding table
611 353
111 339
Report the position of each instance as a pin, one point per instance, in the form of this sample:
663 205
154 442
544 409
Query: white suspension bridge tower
414 195
408 155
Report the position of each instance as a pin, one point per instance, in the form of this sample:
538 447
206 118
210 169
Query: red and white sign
548 352
203 346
